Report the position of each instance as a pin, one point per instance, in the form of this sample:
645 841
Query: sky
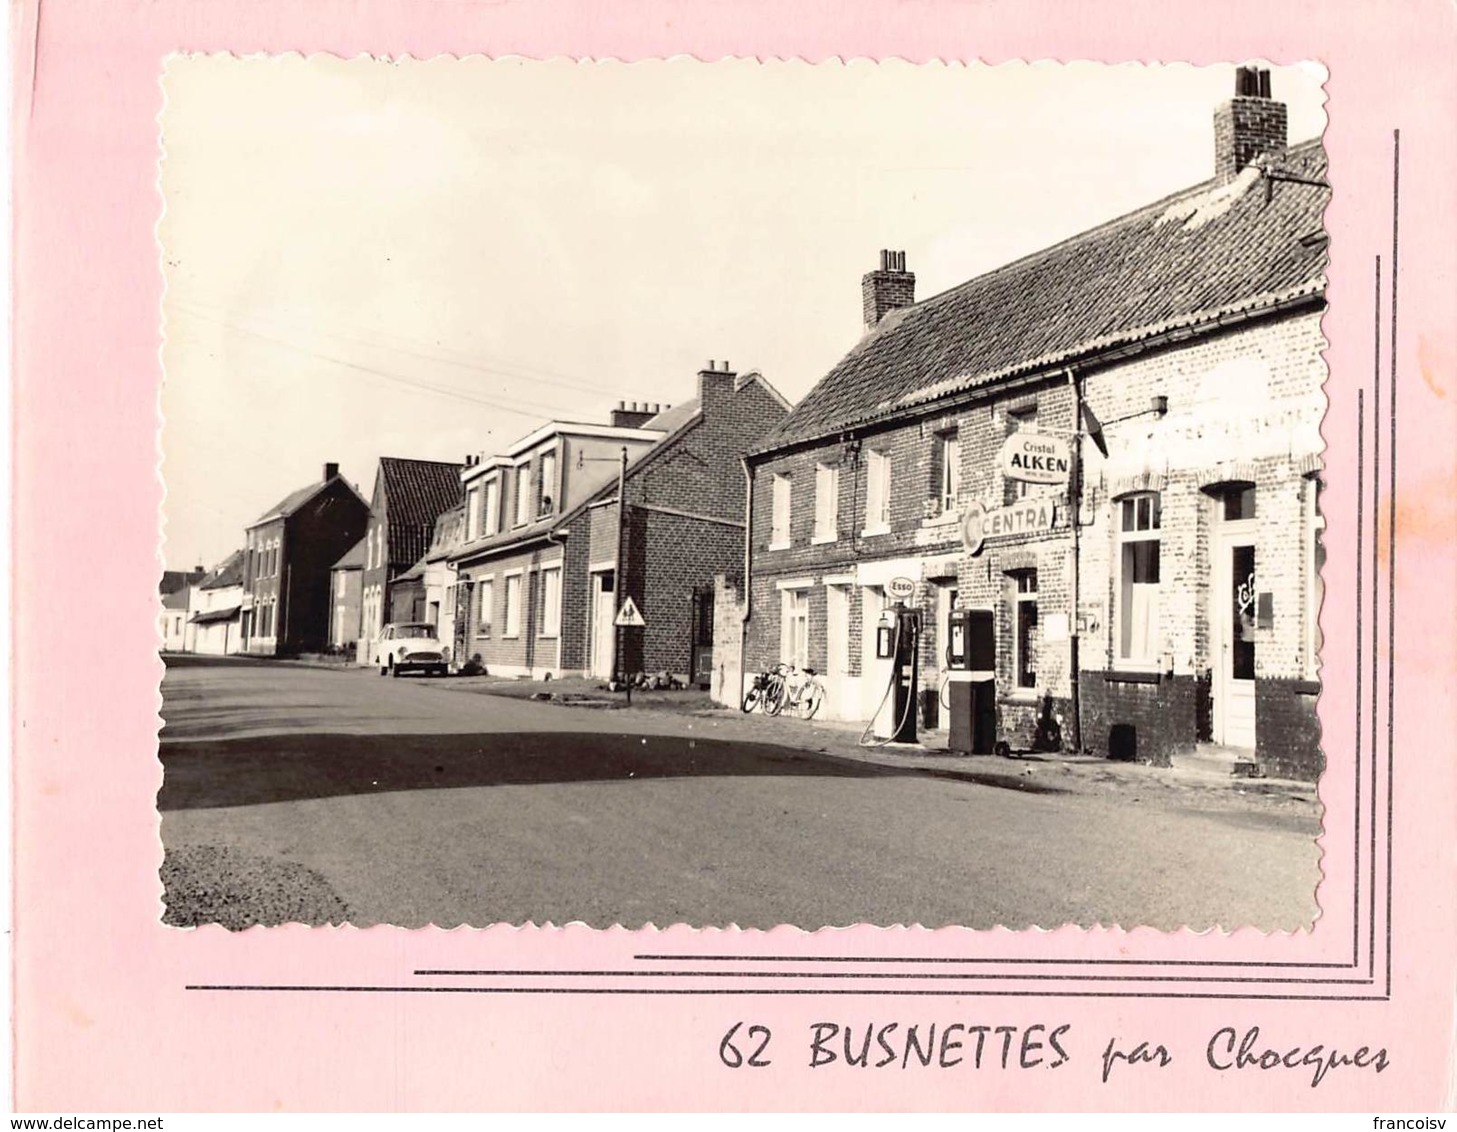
430 258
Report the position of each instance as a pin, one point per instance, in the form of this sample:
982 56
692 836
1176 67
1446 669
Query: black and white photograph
741 493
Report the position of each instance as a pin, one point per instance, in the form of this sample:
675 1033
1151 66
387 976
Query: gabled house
1161 376
289 554
346 588
549 555
217 618
409 496
175 589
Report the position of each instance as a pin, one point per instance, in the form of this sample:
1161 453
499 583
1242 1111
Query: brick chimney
1247 126
714 384
330 471
634 417
887 289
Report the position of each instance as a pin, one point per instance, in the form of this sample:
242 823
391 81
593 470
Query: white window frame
827 503
794 611
1023 419
511 618
491 507
472 512
521 504
1022 596
949 451
548 485
485 604
877 493
551 601
1126 605
781 512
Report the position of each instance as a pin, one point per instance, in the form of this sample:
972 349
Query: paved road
410 803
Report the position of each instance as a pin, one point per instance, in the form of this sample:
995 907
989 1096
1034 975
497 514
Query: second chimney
1249 125
330 471
887 289
635 417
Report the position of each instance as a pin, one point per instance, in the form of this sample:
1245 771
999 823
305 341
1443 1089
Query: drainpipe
748 613
1075 505
618 651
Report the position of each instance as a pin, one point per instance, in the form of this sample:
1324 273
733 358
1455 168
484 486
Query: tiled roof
1204 253
415 492
351 559
449 533
177 599
296 499
228 573
174 580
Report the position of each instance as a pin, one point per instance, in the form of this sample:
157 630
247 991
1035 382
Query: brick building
289 554
409 496
1172 360
546 564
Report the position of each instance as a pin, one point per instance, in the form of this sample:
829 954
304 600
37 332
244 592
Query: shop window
1138 578
948 472
513 606
486 589
827 503
783 496
1024 642
794 627
877 493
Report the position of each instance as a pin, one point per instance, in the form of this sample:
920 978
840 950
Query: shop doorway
1233 617
604 613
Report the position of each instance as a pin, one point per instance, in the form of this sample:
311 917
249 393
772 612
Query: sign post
628 617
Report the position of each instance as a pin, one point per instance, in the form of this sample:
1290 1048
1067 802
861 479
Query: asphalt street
407 802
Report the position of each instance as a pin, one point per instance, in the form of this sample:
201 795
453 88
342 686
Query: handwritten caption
1038 1047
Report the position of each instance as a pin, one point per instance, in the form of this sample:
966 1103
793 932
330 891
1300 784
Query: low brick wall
1150 719
1287 729
1043 725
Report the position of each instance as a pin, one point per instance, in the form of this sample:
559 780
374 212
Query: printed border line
1385 995
763 992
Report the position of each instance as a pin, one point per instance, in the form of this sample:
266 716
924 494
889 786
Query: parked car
410 647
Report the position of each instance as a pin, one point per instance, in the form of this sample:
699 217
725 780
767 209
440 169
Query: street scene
330 794
984 589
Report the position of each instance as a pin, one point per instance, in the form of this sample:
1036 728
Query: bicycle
767 692
805 694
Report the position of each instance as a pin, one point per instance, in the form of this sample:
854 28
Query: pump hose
889 688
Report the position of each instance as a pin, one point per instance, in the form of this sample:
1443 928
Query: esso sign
901 589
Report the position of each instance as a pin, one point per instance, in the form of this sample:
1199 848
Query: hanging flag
1094 429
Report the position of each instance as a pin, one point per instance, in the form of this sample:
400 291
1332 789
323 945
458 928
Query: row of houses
1110 449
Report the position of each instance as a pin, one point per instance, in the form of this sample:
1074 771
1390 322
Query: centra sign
1034 457
1031 516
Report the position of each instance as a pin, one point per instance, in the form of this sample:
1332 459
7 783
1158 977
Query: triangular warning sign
628 617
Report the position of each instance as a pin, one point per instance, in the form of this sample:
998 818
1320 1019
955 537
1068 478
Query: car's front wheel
394 671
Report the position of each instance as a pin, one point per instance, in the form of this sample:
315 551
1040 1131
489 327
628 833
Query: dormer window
548 483
523 494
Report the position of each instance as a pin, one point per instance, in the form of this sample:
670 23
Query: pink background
103 1020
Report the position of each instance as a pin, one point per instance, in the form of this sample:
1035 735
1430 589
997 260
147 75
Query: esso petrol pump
896 638
971 658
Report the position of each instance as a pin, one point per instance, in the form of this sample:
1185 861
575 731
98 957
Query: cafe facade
1112 447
